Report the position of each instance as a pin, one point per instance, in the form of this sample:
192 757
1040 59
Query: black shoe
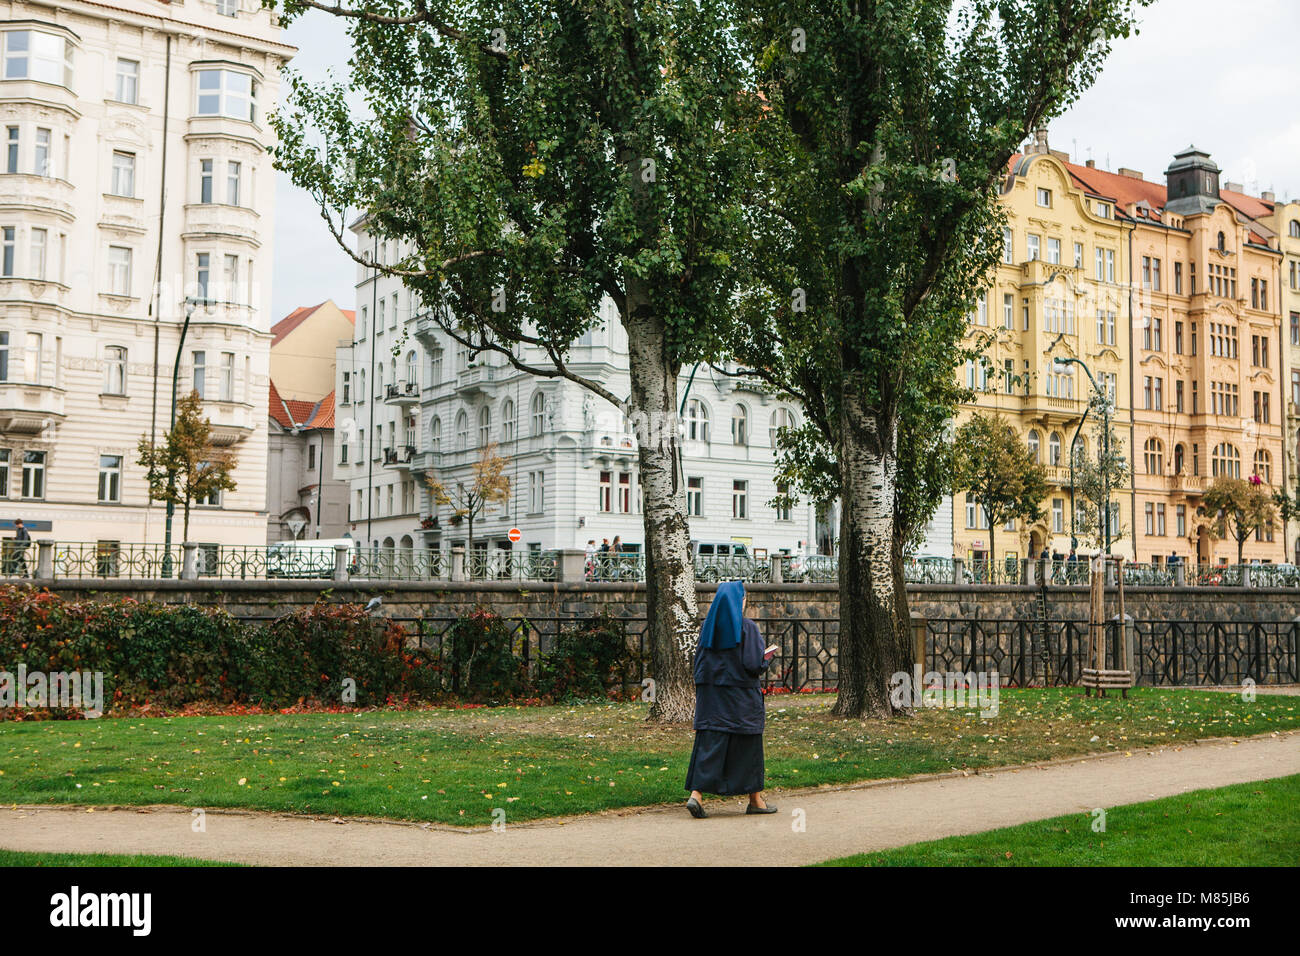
753 809
697 811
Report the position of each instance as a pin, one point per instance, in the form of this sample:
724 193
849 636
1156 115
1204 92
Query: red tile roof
300 315
305 415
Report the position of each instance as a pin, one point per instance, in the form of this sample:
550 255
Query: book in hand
771 650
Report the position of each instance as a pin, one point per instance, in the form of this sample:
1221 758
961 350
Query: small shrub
589 662
484 664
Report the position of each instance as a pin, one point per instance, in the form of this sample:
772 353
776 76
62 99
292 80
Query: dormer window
1045 198
1103 210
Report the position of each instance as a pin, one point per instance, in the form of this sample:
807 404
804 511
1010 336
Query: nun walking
727 759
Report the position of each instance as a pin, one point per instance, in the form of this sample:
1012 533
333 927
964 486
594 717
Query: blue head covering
721 628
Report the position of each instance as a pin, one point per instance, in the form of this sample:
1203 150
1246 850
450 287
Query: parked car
814 568
313 558
727 561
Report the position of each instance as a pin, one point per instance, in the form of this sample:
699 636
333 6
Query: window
1178 395
1225 461
1008 376
781 418
1058 515
695 497
1110 265
435 368
119 270
233 171
228 8
1160 519
205 181
484 425
32 356
208 501
231 291
1033 443
981 314
1101 263
1262 408
1054 251
1221 243
114 370
43 166
1180 520
226 384
1008 311
435 434
227 93
5 454
625 492
1154 453
4 356
1078 255
508 421
462 430
33 475
1295 387
31 55
13 141
605 500
1264 466
36 265
1044 197
739 426
110 478
538 412
123 174
1054 448
697 421
1259 351
1008 246
1149 512
203 271
201 373
1033 247
536 492
128 81
7 269
1179 456
740 499
1295 328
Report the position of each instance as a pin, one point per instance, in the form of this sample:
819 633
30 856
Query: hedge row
173 656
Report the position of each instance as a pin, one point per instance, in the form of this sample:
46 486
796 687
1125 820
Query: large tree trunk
670 571
872 603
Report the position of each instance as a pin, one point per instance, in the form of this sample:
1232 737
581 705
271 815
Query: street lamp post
190 303
1104 409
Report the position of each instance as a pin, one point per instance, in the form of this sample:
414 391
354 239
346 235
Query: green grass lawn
455 766
1249 824
18 858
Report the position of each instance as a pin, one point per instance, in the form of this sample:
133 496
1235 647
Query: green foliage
1102 467
484 665
995 470
590 662
1237 508
186 466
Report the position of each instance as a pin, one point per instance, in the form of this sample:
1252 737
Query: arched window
1264 466
484 425
1180 458
1226 462
379 381
739 426
1154 452
462 430
412 369
1294 229
1034 441
435 434
508 420
781 418
1054 448
537 410
1222 241
1080 449
697 420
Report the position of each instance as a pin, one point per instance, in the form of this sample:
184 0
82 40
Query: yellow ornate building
1285 222
1171 294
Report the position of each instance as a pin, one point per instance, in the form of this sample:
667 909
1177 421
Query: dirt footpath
837 822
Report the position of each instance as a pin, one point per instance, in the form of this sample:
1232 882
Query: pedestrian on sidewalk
22 540
727 758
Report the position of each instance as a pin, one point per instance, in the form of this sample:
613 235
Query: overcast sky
1186 78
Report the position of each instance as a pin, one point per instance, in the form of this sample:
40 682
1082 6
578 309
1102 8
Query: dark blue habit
728 692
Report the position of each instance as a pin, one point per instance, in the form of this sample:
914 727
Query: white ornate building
411 403
135 180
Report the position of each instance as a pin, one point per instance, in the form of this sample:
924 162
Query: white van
311 558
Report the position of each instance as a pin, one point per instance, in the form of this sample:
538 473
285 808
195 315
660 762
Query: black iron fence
1024 652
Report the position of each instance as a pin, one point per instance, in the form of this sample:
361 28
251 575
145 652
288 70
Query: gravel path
836 821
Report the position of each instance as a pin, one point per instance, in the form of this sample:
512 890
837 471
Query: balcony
475 380
41 193
29 409
399 457
423 462
1188 484
402 394
210 219
232 422
1058 474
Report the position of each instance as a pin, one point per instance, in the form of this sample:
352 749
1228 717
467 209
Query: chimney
1091 164
1130 173
1040 141
1268 196
1234 187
